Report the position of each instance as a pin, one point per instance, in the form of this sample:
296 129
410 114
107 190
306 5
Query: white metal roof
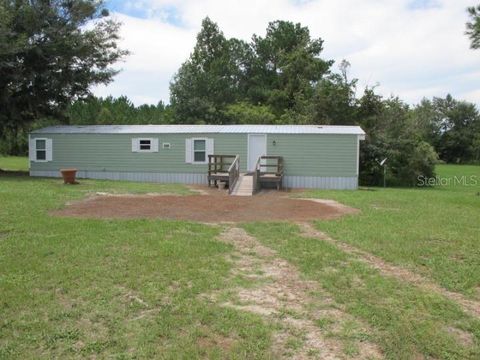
200 129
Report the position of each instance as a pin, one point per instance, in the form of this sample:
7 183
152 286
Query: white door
257 146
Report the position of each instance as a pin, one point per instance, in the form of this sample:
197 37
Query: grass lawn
121 289
433 231
76 288
14 163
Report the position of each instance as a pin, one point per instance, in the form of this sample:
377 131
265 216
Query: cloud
413 49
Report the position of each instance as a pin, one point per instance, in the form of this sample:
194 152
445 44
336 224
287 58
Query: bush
410 159
244 113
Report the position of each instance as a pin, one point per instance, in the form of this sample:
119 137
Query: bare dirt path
279 293
469 306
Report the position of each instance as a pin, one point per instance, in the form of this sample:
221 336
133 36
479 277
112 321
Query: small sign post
384 164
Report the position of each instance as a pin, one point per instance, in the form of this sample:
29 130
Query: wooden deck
226 168
269 170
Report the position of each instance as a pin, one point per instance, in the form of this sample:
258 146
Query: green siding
315 155
304 155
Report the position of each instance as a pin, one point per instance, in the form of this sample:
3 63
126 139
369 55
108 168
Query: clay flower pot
69 176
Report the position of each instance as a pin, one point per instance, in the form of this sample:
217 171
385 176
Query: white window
197 150
40 150
144 145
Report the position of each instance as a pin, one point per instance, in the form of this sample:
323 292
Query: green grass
14 163
76 288
434 231
404 320
120 289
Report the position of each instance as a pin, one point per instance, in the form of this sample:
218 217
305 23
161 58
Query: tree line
278 78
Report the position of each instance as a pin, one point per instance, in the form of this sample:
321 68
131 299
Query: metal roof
200 129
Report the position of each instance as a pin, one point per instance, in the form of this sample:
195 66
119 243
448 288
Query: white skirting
187 178
313 182
319 182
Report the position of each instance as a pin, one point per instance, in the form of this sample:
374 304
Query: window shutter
135 145
209 147
155 145
32 149
188 151
49 149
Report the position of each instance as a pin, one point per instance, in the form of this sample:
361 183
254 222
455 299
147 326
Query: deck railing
256 176
233 173
219 163
277 166
274 176
224 168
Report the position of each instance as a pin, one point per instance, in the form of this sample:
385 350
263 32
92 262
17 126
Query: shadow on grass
12 173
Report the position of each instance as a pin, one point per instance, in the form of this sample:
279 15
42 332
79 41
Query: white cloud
413 49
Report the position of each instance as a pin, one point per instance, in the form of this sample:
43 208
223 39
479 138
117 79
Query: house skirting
312 182
321 182
187 178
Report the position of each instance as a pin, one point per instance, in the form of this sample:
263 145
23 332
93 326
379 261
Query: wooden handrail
233 173
256 176
278 165
216 163
277 171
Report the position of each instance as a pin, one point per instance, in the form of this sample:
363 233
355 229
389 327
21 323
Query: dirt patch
470 306
464 338
101 193
199 189
211 207
334 204
219 341
4 234
283 296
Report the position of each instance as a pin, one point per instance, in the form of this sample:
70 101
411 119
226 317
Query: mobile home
313 156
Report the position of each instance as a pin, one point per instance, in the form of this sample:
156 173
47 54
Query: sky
406 48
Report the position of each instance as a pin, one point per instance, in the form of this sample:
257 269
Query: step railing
256 176
233 174
277 165
264 167
219 163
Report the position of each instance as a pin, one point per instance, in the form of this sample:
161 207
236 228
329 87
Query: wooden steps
244 186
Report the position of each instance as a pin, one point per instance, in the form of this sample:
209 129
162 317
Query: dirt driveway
211 206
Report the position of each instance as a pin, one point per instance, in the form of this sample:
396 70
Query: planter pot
69 176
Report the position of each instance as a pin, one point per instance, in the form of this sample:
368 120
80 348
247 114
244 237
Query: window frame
204 151
45 140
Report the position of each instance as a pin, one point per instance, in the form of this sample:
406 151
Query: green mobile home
313 156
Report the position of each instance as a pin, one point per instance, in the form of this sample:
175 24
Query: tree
51 53
278 71
285 67
334 100
210 79
473 27
245 113
427 122
389 135
121 110
460 123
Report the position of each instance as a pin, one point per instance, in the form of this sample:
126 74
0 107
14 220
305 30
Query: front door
257 146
